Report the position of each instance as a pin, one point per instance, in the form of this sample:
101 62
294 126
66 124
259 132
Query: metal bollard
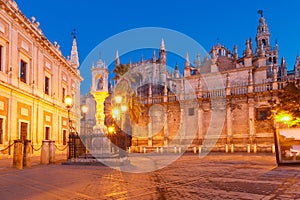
248 148
273 148
145 150
195 150
232 148
226 148
200 149
175 149
161 149
254 148
157 150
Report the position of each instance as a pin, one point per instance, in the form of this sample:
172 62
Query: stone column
183 129
229 124
51 152
27 153
150 134
45 153
18 154
251 121
166 130
200 122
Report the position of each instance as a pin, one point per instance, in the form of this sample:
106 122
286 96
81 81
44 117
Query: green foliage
289 99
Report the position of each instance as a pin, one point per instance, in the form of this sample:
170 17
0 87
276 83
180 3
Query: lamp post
117 113
281 117
84 110
69 104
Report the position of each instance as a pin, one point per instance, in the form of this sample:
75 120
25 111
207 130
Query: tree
289 103
120 70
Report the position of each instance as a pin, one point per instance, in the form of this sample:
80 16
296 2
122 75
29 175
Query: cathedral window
64 137
263 42
47 133
1 130
23 71
263 113
1 67
47 85
63 94
191 112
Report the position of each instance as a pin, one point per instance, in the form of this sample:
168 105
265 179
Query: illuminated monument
100 144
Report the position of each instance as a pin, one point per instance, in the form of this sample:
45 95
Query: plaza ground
216 176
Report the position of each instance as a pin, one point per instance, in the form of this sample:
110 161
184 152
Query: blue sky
229 22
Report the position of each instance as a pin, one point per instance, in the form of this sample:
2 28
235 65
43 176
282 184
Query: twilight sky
208 22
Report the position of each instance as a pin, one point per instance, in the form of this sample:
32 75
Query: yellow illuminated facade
99 90
34 79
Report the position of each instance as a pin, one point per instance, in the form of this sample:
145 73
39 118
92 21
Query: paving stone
216 176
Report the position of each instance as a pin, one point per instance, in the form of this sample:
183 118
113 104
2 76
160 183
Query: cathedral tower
262 35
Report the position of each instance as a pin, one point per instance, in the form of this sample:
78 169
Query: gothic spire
283 70
154 56
235 52
117 59
198 60
248 51
176 67
162 45
187 61
74 60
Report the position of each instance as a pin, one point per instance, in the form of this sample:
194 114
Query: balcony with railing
234 89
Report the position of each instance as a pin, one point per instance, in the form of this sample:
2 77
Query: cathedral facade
35 78
243 99
223 102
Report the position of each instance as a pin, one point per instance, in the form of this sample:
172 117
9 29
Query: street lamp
118 114
84 110
69 104
281 117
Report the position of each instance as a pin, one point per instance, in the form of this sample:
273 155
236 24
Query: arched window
263 42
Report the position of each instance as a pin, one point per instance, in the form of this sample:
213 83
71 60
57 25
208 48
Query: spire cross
73 33
261 12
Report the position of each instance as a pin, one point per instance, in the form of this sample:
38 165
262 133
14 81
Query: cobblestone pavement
216 176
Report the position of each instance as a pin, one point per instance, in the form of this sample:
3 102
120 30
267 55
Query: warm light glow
283 117
111 129
69 101
118 99
123 108
116 112
84 108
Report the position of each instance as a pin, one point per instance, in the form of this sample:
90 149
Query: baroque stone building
34 79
